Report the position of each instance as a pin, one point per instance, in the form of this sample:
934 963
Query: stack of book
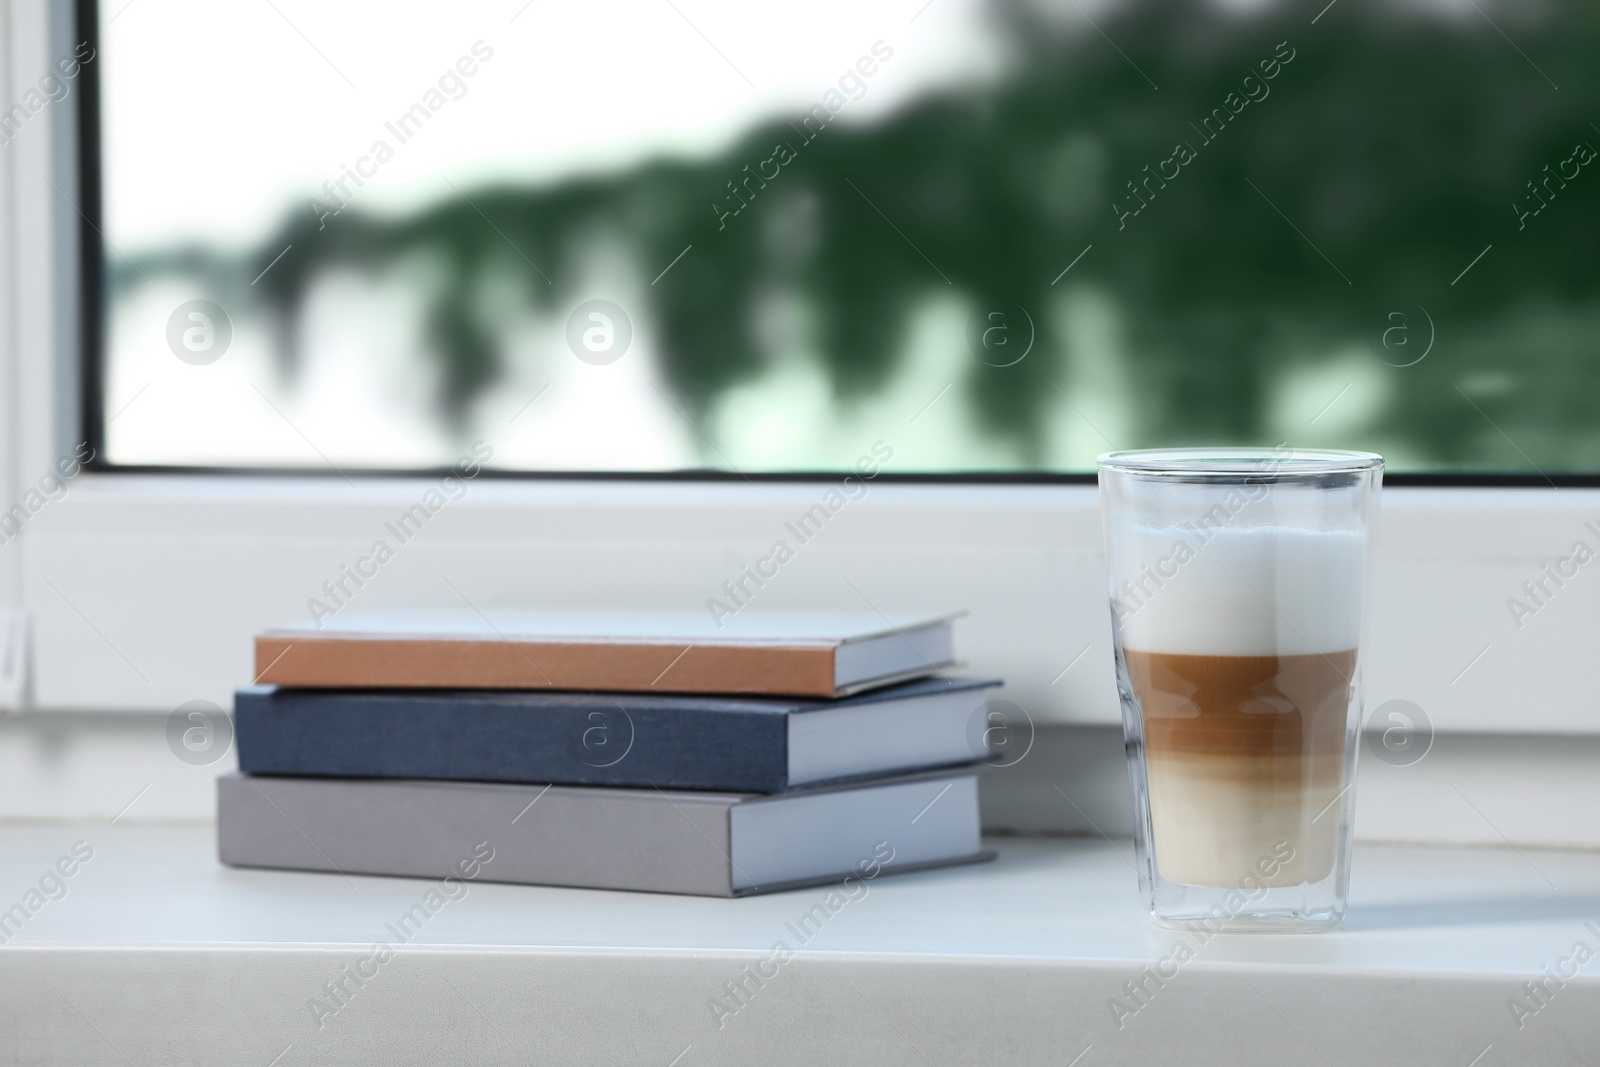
651 751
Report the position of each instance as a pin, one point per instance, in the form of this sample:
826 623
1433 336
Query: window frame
1021 551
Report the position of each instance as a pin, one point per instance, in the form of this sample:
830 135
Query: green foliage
1387 154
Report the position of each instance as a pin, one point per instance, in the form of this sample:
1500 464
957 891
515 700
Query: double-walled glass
1237 595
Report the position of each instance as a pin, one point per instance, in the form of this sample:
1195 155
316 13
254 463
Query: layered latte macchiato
1239 650
1237 587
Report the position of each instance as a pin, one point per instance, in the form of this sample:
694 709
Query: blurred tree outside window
997 236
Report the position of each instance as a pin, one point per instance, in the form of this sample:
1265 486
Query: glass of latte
1237 579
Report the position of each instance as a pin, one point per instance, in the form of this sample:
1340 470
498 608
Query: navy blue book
727 744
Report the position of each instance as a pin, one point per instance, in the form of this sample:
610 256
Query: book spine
352 662
587 838
586 741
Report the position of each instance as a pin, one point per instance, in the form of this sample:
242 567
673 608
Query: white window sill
156 952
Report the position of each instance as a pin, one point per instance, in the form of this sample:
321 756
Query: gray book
707 844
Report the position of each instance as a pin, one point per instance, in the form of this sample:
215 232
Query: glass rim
1233 462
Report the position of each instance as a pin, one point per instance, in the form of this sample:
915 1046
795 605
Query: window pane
766 237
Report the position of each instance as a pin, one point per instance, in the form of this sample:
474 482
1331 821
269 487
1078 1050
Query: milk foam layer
1238 591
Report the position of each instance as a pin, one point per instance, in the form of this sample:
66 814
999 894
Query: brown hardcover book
819 654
